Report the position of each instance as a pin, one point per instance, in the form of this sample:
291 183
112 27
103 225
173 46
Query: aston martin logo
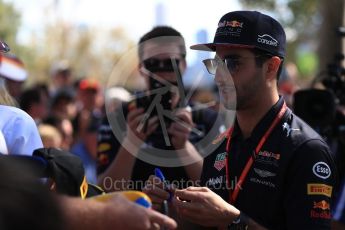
264 173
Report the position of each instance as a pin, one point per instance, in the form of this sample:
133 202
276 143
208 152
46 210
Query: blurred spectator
287 83
114 96
34 101
51 137
61 73
63 105
86 149
64 126
87 94
13 72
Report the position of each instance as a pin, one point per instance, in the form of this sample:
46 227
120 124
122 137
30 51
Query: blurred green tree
310 26
9 23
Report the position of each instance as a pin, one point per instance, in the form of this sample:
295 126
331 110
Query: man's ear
273 66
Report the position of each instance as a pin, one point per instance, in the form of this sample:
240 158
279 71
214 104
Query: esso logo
322 170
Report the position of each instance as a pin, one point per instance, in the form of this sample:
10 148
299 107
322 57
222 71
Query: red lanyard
234 194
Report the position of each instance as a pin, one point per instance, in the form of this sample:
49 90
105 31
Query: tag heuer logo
220 161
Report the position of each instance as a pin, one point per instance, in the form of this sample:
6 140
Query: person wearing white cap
13 72
19 131
61 77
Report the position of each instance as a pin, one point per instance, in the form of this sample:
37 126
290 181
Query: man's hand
202 206
116 213
154 188
180 130
135 127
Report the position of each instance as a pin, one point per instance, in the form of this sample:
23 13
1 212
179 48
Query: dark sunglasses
232 63
4 48
155 65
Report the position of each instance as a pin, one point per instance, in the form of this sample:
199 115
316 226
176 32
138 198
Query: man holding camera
160 128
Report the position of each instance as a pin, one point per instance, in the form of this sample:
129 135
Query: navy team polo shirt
290 183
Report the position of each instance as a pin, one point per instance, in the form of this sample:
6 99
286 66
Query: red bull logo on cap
233 24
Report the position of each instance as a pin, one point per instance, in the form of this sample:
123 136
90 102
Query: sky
135 16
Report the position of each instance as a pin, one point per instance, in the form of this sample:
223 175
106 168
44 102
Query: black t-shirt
207 122
289 185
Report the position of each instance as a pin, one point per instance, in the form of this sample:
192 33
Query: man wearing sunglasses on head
271 171
162 62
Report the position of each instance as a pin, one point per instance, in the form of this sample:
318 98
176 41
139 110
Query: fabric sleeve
22 136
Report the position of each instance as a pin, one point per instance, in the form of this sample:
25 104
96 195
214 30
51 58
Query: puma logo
288 129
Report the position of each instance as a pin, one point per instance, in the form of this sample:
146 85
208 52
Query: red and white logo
220 161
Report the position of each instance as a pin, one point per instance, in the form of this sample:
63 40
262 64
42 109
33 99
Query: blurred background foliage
310 27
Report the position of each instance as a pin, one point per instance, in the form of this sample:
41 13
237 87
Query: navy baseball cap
248 29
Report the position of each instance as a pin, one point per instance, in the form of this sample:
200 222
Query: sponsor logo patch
262 182
323 205
267 157
230 28
220 161
264 173
319 189
320 210
214 181
233 24
267 40
288 129
321 170
269 154
321 215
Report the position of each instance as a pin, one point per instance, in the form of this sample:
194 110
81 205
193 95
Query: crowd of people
266 169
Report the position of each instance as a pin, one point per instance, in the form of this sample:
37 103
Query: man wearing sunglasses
271 170
170 138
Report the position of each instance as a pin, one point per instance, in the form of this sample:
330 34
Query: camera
159 96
